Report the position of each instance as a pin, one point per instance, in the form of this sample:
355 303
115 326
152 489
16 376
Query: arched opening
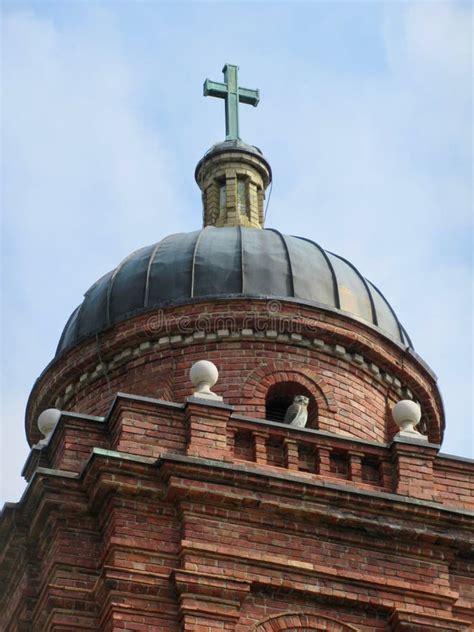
302 622
281 395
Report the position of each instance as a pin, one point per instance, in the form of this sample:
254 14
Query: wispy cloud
84 183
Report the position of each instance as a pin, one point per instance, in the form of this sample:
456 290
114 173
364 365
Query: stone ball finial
204 375
407 414
47 422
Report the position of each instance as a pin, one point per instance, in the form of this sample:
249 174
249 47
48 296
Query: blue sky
365 117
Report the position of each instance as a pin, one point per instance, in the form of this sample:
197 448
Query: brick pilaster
291 454
260 439
413 462
355 464
324 467
206 423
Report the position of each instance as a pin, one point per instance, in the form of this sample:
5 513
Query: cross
230 91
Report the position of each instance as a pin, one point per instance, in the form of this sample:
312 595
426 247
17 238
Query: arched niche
284 380
282 394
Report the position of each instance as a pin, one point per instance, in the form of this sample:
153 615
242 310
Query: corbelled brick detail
209 602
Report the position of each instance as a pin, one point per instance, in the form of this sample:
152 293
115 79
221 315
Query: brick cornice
192 476
288 487
363 515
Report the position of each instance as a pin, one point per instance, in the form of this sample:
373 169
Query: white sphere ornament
47 422
407 414
204 375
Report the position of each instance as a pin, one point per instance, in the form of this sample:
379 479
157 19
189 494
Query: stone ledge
420 443
112 454
145 399
462 460
205 403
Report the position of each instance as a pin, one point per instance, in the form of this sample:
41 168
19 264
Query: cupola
233 176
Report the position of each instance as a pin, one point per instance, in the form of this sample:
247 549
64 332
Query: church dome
229 262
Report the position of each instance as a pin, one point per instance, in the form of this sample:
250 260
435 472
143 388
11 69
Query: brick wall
155 511
177 523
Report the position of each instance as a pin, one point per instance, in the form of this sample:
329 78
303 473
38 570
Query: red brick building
150 507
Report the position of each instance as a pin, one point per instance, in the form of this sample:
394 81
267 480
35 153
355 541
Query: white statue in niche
297 413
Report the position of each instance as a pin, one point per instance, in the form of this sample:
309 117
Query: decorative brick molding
408 621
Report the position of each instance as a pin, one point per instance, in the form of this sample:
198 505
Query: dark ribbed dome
229 262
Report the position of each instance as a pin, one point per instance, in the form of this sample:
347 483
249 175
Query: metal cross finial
230 91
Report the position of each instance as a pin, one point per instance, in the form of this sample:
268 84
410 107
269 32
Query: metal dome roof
233 145
229 262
